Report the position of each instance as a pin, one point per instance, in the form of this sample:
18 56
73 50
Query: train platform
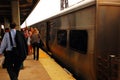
44 69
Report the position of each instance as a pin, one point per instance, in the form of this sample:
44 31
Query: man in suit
16 51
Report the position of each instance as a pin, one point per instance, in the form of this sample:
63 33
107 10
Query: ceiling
26 7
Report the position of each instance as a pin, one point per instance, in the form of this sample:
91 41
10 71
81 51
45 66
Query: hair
12 25
7 29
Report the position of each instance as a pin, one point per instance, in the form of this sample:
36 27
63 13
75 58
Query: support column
15 12
64 4
6 22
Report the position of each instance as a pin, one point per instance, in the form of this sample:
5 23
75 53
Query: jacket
21 45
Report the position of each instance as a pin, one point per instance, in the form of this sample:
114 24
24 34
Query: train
85 39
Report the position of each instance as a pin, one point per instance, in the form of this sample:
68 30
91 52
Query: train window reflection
62 37
78 40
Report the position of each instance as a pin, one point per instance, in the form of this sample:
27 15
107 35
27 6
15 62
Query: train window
62 37
78 40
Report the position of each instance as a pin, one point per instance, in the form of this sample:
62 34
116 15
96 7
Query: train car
85 39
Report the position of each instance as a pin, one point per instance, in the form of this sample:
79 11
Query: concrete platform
44 69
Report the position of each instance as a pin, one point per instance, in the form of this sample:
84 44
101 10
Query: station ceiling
26 7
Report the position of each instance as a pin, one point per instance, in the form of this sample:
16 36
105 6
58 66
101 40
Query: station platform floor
44 69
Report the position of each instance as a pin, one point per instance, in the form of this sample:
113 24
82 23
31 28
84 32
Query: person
34 42
16 51
28 42
2 33
4 63
7 29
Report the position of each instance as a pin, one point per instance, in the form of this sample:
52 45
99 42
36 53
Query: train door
48 35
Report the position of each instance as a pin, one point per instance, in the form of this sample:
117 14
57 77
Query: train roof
80 5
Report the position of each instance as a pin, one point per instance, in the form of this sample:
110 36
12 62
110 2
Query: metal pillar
6 22
64 4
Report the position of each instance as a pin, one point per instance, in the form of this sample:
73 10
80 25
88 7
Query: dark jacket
21 45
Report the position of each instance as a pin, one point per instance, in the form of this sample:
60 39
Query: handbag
41 44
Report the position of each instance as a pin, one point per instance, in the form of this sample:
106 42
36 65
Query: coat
21 45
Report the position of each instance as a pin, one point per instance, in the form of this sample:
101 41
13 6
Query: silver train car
85 39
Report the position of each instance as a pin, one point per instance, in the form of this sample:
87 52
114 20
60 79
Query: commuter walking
35 43
4 63
28 42
16 51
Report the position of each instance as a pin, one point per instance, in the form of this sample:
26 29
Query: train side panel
108 40
86 40
76 61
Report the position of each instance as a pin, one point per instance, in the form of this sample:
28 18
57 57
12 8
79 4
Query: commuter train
85 39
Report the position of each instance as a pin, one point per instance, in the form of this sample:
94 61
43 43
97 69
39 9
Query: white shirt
5 44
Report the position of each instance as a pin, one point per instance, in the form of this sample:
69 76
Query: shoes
36 59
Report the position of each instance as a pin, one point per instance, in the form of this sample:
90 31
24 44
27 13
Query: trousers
35 52
13 64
